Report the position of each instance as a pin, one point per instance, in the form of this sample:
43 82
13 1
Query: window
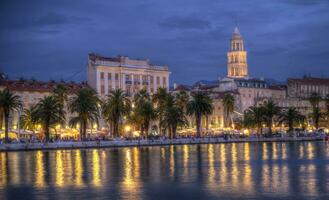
158 80
109 76
151 79
164 81
102 89
102 75
116 76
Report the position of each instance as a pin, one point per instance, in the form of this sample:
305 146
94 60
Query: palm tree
327 108
254 117
271 110
49 113
29 118
291 117
182 100
116 106
61 93
173 116
85 106
316 116
200 105
144 111
9 102
159 100
315 99
228 103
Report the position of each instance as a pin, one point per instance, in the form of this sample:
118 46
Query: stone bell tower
237 66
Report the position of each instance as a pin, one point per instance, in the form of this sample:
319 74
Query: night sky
51 39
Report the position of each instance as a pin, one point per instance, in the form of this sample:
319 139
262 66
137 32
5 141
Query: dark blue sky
51 39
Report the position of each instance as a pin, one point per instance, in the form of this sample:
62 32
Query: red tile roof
310 81
38 86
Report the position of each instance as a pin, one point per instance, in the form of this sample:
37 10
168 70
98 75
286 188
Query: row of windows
136 78
109 76
255 85
237 46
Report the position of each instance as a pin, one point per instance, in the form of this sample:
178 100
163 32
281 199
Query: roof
93 57
310 80
236 34
124 61
182 88
39 86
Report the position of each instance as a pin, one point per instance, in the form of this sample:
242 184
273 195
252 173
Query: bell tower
237 66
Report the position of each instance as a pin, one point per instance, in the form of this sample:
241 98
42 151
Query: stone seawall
138 143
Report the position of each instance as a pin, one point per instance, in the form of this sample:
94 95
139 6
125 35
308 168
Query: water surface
297 170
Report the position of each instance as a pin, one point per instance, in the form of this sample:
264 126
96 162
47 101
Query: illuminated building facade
109 73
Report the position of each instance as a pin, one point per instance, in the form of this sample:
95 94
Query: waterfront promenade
150 142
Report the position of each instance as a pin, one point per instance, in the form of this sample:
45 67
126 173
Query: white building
105 74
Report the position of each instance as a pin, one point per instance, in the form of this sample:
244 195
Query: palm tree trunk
6 126
207 122
174 128
142 130
84 130
47 132
198 126
81 131
270 128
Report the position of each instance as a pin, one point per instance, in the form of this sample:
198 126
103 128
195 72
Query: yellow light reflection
310 150
301 151
172 161
284 151
78 169
96 169
39 171
223 169
3 174
59 169
211 173
274 151
131 181
235 171
14 166
265 153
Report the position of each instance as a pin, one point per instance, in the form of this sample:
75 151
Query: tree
316 116
159 100
292 117
271 110
116 106
315 99
61 94
182 99
254 117
49 113
173 116
29 118
327 108
228 103
200 105
9 102
143 111
85 106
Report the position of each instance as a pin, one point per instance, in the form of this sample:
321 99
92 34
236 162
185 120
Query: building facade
30 93
105 74
304 87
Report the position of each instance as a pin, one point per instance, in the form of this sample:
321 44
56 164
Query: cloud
44 21
188 22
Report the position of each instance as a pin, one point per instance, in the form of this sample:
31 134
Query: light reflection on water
230 171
